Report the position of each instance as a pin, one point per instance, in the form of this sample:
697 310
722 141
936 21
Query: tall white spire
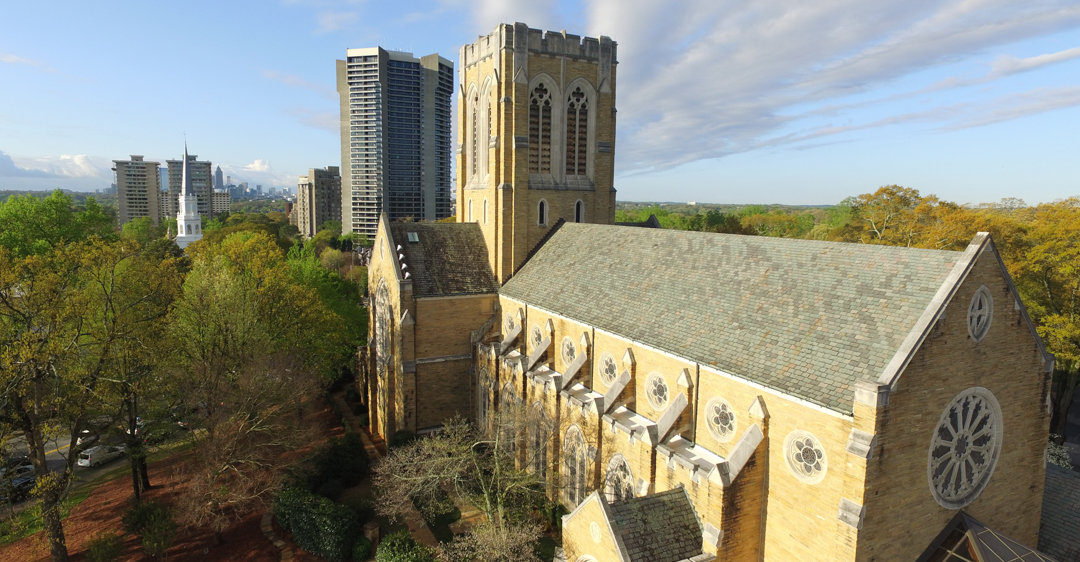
188 220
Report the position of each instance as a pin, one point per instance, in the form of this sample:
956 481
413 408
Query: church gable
807 318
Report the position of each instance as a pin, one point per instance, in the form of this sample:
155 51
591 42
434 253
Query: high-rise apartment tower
137 189
318 199
201 176
395 137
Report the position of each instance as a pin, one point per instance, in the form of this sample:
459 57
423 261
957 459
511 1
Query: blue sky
727 101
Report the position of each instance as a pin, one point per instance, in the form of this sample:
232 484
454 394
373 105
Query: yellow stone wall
1008 363
578 537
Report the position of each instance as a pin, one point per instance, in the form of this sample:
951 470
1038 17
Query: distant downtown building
200 174
318 199
395 137
138 190
219 182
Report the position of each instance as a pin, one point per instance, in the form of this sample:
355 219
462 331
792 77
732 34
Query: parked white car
95 456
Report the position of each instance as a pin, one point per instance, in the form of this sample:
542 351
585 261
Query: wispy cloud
15 59
1020 105
299 82
701 79
325 120
328 22
64 166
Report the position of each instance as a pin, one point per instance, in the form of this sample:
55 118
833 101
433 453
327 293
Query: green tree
31 225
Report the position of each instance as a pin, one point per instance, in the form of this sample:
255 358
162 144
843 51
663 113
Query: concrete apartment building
138 190
201 176
318 199
220 202
395 137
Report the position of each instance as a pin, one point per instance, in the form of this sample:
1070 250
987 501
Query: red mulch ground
101 511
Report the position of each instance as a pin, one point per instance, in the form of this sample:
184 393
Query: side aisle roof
444 259
805 317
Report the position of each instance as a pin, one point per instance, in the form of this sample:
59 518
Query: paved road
55 451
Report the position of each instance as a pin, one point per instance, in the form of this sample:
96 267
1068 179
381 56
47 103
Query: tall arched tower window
577 132
474 151
579 211
540 130
469 219
485 211
541 213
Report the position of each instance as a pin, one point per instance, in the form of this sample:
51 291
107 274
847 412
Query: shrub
400 547
318 525
361 550
400 439
138 515
344 459
352 395
365 511
331 490
104 547
158 533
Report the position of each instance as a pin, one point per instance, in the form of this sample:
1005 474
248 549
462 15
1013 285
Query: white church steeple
188 220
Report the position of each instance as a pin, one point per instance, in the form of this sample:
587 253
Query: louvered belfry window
577 132
540 130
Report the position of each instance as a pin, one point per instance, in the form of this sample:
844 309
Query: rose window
568 351
964 448
536 337
980 313
805 456
510 323
721 419
608 369
657 391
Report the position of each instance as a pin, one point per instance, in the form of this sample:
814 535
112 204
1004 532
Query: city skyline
753 104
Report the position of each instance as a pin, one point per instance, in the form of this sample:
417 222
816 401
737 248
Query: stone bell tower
536 137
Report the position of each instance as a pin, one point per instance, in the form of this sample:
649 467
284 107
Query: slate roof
1059 534
660 527
448 258
965 538
805 317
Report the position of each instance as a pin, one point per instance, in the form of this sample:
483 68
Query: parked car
18 489
96 456
85 438
16 471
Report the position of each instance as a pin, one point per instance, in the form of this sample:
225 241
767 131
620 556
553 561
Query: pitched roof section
446 259
661 527
965 538
804 317
1061 514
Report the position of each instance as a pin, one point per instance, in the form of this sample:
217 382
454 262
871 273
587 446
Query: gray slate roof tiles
1059 533
804 317
660 527
448 258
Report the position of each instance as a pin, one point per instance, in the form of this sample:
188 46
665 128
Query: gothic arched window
469 219
575 465
539 434
541 213
619 480
579 211
189 229
383 315
577 132
484 399
507 434
485 211
475 133
540 130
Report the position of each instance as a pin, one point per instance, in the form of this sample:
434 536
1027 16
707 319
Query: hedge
400 547
318 525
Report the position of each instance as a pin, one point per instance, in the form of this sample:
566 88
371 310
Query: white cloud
15 59
1020 105
489 13
258 166
332 21
701 79
76 172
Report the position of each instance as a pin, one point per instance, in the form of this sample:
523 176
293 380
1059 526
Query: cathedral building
700 396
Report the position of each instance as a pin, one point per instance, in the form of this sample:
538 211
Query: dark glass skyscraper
395 137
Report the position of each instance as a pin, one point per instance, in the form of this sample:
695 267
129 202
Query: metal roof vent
413 237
